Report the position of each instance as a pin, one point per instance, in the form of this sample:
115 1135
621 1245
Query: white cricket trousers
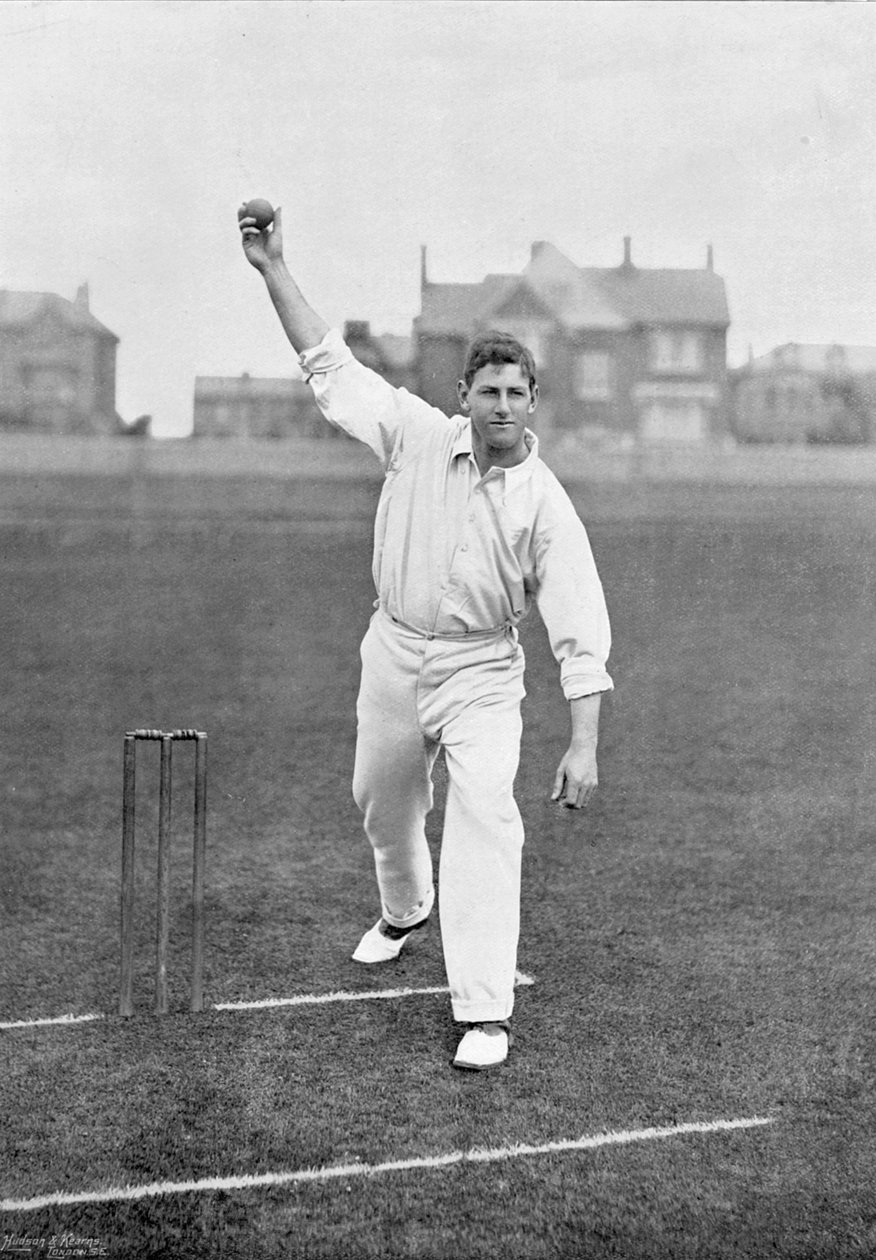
418 695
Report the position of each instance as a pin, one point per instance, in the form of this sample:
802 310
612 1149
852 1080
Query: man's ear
534 403
462 394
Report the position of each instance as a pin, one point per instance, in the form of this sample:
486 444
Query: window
676 351
674 420
593 375
50 383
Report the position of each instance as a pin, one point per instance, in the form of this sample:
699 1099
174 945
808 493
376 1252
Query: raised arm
350 395
264 250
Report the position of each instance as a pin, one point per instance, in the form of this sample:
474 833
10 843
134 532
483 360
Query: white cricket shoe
384 941
374 947
483 1046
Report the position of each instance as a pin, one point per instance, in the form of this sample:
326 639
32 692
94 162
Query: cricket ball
260 210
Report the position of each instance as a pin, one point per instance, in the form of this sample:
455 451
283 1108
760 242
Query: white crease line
300 999
253 1181
316 999
57 1019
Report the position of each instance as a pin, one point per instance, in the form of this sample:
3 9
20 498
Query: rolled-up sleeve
358 400
571 601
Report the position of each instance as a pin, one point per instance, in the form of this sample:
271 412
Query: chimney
424 275
628 251
710 258
82 296
535 250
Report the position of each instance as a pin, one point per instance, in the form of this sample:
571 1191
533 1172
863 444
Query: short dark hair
497 347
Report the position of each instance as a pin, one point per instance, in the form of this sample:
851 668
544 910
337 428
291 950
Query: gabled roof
572 293
582 297
859 360
19 308
662 295
456 308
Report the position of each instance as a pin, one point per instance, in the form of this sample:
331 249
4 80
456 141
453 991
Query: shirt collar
514 475
462 445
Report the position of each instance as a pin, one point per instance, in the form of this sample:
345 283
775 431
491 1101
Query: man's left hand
576 777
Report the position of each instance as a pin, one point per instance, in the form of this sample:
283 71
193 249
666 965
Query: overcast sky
130 132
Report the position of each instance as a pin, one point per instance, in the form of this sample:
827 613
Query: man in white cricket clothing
470 528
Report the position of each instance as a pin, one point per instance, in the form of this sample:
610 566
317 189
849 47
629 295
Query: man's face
499 402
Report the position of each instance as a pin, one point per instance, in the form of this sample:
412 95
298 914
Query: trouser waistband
462 636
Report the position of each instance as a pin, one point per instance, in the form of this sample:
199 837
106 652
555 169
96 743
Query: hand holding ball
260 210
262 248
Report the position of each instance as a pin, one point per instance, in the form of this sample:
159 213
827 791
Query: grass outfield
701 941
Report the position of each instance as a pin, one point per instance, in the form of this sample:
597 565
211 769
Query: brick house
806 393
252 407
57 365
620 350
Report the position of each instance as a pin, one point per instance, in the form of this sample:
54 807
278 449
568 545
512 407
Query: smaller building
254 407
806 393
257 407
57 365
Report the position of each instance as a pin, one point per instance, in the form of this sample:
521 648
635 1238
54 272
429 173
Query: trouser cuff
495 1012
421 911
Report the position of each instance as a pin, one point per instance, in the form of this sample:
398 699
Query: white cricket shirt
455 551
